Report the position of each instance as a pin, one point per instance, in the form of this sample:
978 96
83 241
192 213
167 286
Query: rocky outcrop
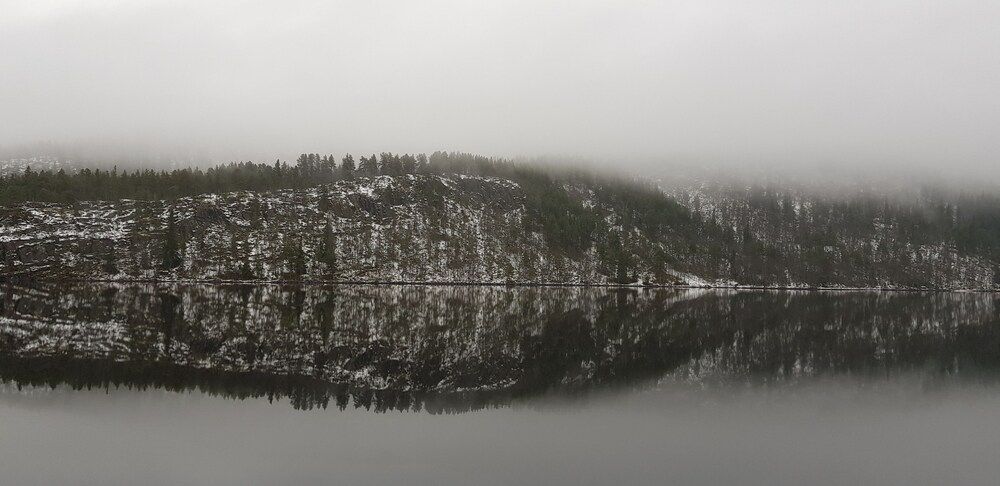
455 229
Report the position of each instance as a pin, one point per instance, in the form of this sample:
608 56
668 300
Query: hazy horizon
777 85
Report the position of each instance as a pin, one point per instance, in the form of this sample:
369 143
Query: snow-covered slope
448 229
385 229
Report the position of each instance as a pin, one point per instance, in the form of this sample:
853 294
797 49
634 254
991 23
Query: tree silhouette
368 165
328 250
347 165
171 248
295 257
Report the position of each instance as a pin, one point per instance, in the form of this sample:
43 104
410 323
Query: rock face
382 229
448 229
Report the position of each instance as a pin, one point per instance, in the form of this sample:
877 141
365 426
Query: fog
897 84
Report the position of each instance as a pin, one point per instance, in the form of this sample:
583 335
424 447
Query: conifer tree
328 250
171 248
421 167
368 165
390 164
241 248
409 164
296 259
347 164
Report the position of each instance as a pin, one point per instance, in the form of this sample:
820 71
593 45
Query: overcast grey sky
908 83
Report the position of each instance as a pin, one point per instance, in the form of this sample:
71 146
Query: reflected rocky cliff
455 349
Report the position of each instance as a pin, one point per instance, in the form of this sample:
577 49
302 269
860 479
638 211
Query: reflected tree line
456 349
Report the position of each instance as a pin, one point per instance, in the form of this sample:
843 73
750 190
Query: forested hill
471 219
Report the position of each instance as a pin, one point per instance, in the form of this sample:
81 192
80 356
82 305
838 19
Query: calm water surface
139 384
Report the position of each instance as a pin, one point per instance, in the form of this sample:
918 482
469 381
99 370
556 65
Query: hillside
511 227
420 228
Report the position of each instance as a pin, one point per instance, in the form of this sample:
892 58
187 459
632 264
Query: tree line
114 184
309 169
753 234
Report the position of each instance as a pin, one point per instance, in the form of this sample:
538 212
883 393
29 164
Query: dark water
125 384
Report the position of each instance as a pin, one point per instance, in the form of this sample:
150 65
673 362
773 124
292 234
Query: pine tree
254 213
390 164
296 259
329 167
368 165
409 164
328 250
347 165
171 248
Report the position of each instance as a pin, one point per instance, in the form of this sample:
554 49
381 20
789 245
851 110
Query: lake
232 384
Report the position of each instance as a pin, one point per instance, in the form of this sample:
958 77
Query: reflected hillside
454 349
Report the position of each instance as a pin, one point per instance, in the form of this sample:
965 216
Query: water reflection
455 349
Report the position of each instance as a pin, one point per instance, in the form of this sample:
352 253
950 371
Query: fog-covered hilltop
455 218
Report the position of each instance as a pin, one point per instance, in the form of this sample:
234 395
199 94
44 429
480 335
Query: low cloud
777 84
